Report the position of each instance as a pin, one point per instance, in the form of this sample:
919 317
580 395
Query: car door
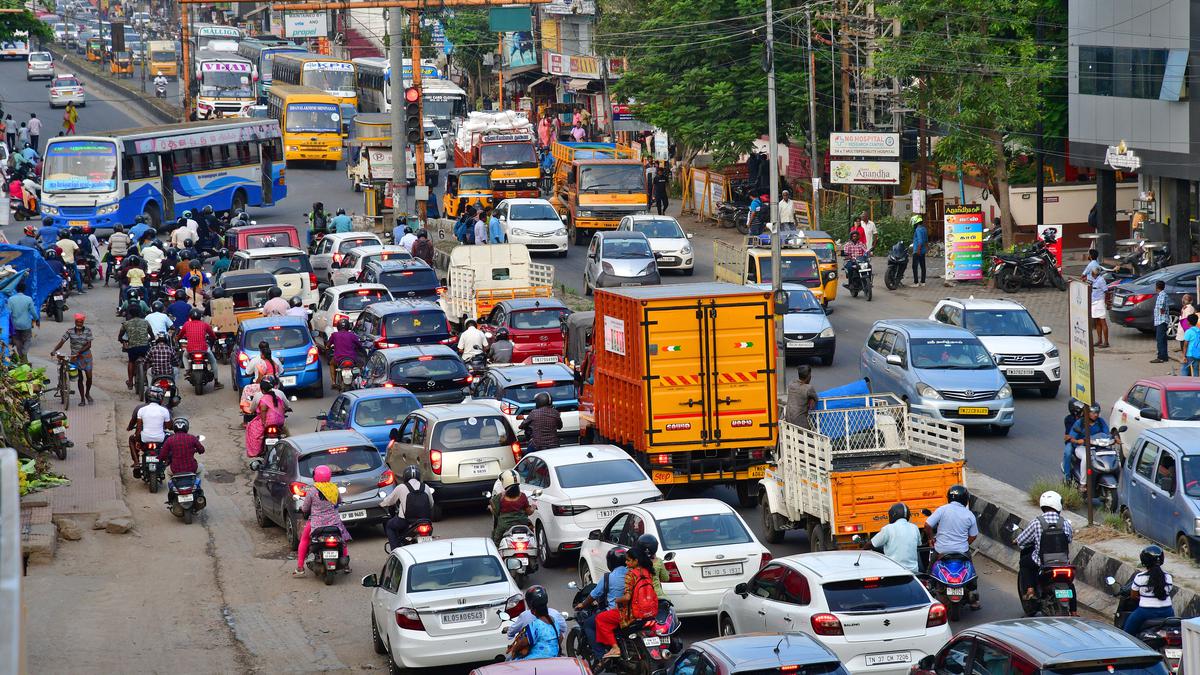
871 361
955 658
592 264
320 318
988 659
594 551
321 258
410 449
1165 513
274 484
1127 411
1154 406
787 609
1141 486
885 378
537 477
339 414
763 588
383 598
900 375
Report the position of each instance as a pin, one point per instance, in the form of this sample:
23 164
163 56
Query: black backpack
1054 545
416 504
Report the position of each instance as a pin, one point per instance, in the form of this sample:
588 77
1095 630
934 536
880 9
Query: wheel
545 557
585 573
519 579
57 312
329 577
435 514
60 450
954 610
260 516
854 292
747 497
291 530
998 430
1127 521
198 384
576 643
318 389
1049 392
1183 546
818 538
867 291
187 516
153 482
376 641
1061 284
64 390
1008 282
725 627
139 379
743 227
891 281
827 359
770 534
587 289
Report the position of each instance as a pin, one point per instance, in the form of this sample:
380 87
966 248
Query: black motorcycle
152 470
199 371
418 531
1139 258
185 496
46 431
1054 588
1032 267
646 646
1164 635
56 304
89 268
170 392
860 277
897 264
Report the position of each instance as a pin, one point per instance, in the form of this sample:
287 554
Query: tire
1008 283
818 538
198 384
1183 546
1060 283
376 641
689 271
435 514
329 577
520 579
770 534
260 516
139 380
747 497
60 450
827 359
187 516
153 482
585 573
1049 392
64 394
854 292
743 227
545 557
891 281
576 643
57 313
291 531
725 627
867 291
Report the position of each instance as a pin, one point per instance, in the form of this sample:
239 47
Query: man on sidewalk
1162 319
787 212
24 317
35 132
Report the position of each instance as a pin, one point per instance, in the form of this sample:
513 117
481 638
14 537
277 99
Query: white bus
442 101
225 85
224 38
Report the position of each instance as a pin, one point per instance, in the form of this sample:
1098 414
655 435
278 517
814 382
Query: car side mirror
322 416
370 581
394 434
895 360
1121 429
335 265
1046 330
1151 414
321 287
537 492
256 465
927 662
742 589
594 535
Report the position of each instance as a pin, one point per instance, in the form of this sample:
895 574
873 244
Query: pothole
220 476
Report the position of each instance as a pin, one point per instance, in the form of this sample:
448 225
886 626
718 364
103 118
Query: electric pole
773 154
844 42
395 19
812 128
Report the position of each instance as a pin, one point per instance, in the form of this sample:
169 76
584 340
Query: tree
974 70
468 31
22 21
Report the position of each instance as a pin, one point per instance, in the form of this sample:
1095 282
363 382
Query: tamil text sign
964 242
1079 322
864 144
849 172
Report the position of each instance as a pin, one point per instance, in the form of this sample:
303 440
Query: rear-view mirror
1046 330
926 663
256 465
394 434
894 360
1151 414
370 581
594 535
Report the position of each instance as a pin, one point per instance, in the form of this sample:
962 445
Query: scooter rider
501 350
1075 409
1095 427
199 335
471 342
509 507
1153 588
152 419
541 636
899 539
345 346
413 500
1044 541
542 424
179 451
952 529
604 595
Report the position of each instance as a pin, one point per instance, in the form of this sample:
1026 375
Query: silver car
619 259
672 248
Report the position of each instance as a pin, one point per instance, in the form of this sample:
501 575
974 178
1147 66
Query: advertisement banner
310 25
519 50
614 335
554 63
1079 321
864 144
1056 247
849 172
964 242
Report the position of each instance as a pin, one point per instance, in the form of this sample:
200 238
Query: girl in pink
271 407
320 505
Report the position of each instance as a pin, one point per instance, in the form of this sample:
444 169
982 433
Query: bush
1072 498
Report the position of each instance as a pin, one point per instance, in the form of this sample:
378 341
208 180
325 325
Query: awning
576 84
540 80
256 11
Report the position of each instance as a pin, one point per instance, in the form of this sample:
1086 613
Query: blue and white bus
113 177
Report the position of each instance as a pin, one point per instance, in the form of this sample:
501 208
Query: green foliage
1072 498
468 31
11 24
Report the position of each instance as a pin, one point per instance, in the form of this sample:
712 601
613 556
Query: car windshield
415 324
950 354
659 228
284 264
802 302
532 212
471 433
459 572
347 244
427 368
432 133
492 154
225 79
279 337
40 57
562 390
537 319
342 461
875 594
268 239
606 472
824 251
1152 666
80 166
386 255
358 300
612 178
377 412
710 529
619 249
313 117
797 269
1183 404
1011 322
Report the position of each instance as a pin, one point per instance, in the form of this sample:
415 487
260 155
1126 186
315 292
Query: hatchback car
1043 646
402 322
805 327
757 654
285 474
355 259
66 89
511 388
534 326
334 247
872 612
941 371
433 373
576 489
39 65
619 259
404 278
1133 300
291 343
1156 403
290 267
535 223
371 412
1159 490
461 450
1027 359
705 546
672 248
441 603
344 302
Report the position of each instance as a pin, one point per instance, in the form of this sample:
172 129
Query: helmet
1152 556
322 474
195 314
1094 408
163 338
187 213
275 292
897 511
407 229
916 219
29 230
187 243
411 472
47 222
158 306
1050 499
218 292
207 208
75 231
181 221
502 334
296 301
132 294
542 399
154 395
509 478
615 557
341 212
536 599
343 324
180 425
958 493
52 253
1075 407
649 544
224 253
139 218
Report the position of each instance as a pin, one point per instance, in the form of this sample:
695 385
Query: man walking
1162 320
662 179
35 132
24 318
920 247
1192 338
787 212
869 230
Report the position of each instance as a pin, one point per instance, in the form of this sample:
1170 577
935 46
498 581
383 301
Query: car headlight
926 391
585 214
826 333
49 210
1005 392
518 232
1052 354
560 232
648 269
108 208
686 250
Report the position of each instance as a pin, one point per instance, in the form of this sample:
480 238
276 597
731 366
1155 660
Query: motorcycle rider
48 232
56 265
209 225
541 636
658 571
604 595
29 238
276 306
1095 426
1075 410
181 235
160 83
852 251
297 308
179 451
139 229
152 420
179 310
413 500
501 350
1153 588
160 322
345 346
67 249
162 357
320 505
509 507
318 222
341 222
952 529
471 342
200 335
640 600
899 539
1044 541
118 244
135 340
132 274
542 424
221 265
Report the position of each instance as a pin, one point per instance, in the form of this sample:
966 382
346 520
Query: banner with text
864 144
850 172
1080 340
964 242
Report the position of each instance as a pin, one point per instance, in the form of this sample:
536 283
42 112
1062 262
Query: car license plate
1118 301
605 514
353 515
758 471
197 366
954 592
800 344
1173 653
1020 372
186 499
329 555
972 411
544 359
711 571
462 617
882 659
80 223
480 469
1064 593
652 641
288 380
82 267
630 283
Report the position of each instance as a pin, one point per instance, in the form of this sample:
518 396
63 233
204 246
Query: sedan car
1133 300
441 603
619 259
1156 403
39 65
534 326
371 412
433 373
757 654
535 223
1027 359
284 476
672 248
872 612
291 343
344 302
356 259
511 388
806 330
66 89
577 489
705 546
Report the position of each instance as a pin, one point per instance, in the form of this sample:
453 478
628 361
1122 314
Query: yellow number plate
662 476
972 411
758 471
80 223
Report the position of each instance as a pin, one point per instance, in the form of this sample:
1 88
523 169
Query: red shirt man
179 452
197 333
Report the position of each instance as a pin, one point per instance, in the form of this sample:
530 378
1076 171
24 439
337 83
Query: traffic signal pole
395 30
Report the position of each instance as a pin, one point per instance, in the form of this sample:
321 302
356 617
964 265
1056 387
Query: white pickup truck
478 277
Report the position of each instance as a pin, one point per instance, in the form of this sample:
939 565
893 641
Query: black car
402 322
404 278
1133 300
433 373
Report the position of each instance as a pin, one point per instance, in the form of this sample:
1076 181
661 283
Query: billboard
307 25
1080 340
520 50
864 144
850 172
964 242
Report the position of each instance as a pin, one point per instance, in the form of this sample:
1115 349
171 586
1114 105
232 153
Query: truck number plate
894 657
972 411
1020 372
758 471
720 571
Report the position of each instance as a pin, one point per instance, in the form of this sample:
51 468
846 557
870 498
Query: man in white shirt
160 322
152 422
153 256
472 341
869 230
787 212
69 249
408 240
180 236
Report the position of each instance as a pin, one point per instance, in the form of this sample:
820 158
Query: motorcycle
88 268
46 431
897 263
56 304
160 90
185 496
170 392
646 646
112 264
418 532
347 374
478 366
1163 635
199 371
859 277
327 553
1035 266
1105 471
1055 585
1139 258
17 208
152 470
947 581
271 436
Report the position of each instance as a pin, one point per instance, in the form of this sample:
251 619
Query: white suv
1023 353
40 64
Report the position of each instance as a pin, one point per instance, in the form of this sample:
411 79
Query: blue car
291 343
371 412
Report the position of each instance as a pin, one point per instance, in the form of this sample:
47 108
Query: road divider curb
159 110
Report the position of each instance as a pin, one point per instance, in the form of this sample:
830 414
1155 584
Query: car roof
453 411
845 565
377 392
620 234
766 651
440 549
578 454
379 248
342 289
270 251
352 235
678 508
1182 438
401 305
520 373
532 303
315 441
923 328
986 303
649 216
269 321
259 227
411 351
59 76
527 200
787 286
385 265
1051 641
1172 382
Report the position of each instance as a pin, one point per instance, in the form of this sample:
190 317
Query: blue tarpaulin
847 396
40 280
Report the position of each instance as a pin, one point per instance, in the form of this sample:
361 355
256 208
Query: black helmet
615 557
649 544
207 208
181 221
51 254
132 293
154 395
1075 407
275 292
1152 556
180 425
502 334
75 231
343 324
296 301
407 229
542 399
958 493
341 212
218 292
195 314
188 243
158 306
897 511
411 472
47 221
536 599
224 253
139 218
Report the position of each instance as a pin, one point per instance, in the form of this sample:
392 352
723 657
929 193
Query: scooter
418 532
1164 635
17 208
1105 471
948 580
897 263
347 373
327 553
199 371
185 496
46 431
859 277
518 551
160 90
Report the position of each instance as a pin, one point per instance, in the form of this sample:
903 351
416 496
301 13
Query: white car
576 489
354 260
333 248
705 545
672 248
39 64
1023 353
66 89
441 603
535 223
290 267
435 145
346 301
873 613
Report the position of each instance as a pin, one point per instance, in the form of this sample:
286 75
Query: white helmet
508 478
1051 499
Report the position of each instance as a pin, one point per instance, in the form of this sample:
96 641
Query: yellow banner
550 35
611 199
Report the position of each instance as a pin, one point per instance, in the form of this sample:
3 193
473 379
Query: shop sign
1122 158
864 144
848 172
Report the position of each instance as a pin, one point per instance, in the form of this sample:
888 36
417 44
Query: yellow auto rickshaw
121 65
95 49
465 187
826 250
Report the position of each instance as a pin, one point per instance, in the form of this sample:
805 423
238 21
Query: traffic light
412 114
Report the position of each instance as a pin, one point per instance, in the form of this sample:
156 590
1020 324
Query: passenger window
768 584
501 274
943 314
1153 400
338 414
989 661
900 348
634 528
525 470
326 301
539 474
613 532
795 589
885 347
1147 460
954 659
406 430
1136 396
1164 478
876 339
419 431
385 575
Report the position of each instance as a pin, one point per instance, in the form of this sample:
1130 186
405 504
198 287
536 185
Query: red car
261 236
534 326
1156 402
557 666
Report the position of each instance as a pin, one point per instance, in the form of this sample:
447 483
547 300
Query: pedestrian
10 133
1162 320
22 137
1184 312
4 127
801 398
650 169
423 249
1093 266
920 248
578 133
495 231
662 179
1192 365
70 118
585 120
35 131
1099 311
481 227
577 117
787 212
24 316
80 338
545 128
869 230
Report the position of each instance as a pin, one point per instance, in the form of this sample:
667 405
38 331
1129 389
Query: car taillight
382 343
388 478
243 360
312 281
424 529
435 461
516 451
569 509
508 408
1066 574
1138 297
937 617
514 606
766 558
408 619
298 489
331 541
313 353
673 575
828 624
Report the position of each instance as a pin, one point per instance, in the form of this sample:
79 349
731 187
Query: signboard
1080 340
554 63
864 144
509 19
624 120
964 242
329 65
308 25
224 67
1120 157
520 51
614 335
1056 247
242 132
850 172
662 145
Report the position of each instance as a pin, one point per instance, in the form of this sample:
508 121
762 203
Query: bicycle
63 387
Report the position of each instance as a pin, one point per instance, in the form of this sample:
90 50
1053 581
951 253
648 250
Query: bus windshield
612 178
81 166
160 56
330 80
225 83
314 117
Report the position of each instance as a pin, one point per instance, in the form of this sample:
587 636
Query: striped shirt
1161 316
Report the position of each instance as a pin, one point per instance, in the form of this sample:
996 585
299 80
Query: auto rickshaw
465 187
247 291
826 249
121 65
95 49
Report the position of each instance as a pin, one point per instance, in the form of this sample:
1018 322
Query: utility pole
773 154
812 128
500 69
185 79
844 41
418 151
395 31
1041 149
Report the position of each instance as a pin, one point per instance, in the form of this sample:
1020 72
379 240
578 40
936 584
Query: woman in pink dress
270 409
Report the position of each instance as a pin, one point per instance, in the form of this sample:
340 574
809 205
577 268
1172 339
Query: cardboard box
224 319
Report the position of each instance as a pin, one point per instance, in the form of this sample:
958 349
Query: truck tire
747 497
770 534
818 538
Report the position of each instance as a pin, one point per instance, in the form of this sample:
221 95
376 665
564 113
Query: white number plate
421 540
480 469
270 442
1173 653
1020 371
186 498
60 431
197 366
605 514
800 344
288 380
58 298
882 659
347 374
151 462
652 641
544 359
462 617
329 555
353 515
720 570
953 592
